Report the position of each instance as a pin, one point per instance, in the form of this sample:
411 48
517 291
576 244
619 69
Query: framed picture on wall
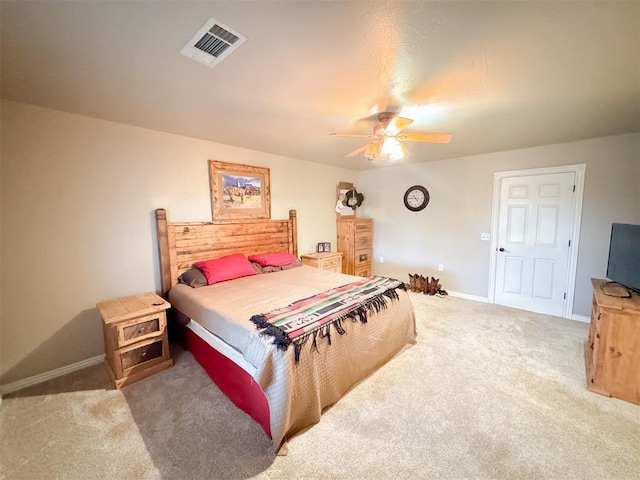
239 192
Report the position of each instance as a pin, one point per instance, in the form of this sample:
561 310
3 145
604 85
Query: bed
283 389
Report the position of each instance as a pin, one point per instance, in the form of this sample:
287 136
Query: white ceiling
497 75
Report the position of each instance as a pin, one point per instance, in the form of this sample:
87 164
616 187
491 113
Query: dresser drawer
362 226
363 271
363 240
362 256
141 328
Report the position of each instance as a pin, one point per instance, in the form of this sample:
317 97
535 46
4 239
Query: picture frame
323 247
239 192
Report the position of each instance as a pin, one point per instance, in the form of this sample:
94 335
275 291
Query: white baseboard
469 297
43 377
578 318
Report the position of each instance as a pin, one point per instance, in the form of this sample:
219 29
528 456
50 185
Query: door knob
503 250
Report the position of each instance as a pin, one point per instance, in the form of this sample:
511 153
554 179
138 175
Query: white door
535 222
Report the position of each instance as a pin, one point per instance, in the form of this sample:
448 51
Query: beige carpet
487 392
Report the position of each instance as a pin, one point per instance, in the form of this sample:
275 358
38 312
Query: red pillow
226 268
273 259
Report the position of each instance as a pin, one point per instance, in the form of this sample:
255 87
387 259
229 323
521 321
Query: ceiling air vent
213 43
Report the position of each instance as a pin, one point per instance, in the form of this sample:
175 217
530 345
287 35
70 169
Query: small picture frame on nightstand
327 246
320 247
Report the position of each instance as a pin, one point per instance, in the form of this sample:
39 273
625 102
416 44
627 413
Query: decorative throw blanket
313 316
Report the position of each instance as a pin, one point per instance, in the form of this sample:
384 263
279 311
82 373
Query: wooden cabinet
355 240
330 261
612 351
135 337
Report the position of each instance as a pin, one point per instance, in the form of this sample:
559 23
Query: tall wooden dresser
612 351
355 241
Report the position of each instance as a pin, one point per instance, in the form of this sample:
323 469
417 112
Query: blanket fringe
360 313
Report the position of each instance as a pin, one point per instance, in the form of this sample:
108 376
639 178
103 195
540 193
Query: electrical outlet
440 267
381 259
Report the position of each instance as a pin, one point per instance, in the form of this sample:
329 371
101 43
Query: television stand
612 351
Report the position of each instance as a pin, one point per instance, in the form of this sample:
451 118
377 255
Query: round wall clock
416 198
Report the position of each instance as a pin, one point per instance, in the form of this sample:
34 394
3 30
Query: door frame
579 171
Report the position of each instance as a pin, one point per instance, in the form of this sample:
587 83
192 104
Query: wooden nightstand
135 337
330 261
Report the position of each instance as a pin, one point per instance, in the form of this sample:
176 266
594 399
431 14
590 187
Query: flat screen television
623 266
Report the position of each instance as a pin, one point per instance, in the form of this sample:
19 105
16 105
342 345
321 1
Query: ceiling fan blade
405 152
356 135
358 150
426 137
397 124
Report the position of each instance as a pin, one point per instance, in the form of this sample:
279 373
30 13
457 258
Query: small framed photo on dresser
320 247
327 246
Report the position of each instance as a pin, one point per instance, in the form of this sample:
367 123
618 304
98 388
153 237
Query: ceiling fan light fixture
392 148
387 138
371 152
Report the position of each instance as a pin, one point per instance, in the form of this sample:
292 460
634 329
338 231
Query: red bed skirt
234 382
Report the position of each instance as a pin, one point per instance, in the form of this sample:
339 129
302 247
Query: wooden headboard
184 243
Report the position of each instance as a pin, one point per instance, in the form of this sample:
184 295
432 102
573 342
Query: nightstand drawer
140 354
336 269
329 263
141 328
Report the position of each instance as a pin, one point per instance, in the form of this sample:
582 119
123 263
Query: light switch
485 236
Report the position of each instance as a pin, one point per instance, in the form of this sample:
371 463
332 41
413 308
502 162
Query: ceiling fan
387 139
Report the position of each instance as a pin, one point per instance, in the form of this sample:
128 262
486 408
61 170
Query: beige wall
448 231
78 196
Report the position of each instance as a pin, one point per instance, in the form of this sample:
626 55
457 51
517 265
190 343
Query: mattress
296 391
